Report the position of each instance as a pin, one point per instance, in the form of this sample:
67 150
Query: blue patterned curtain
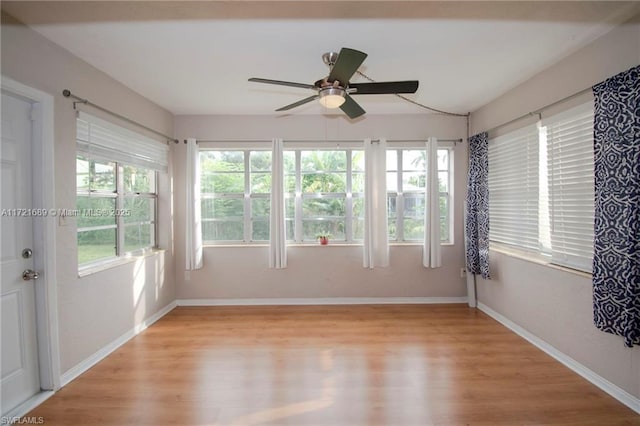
616 258
477 213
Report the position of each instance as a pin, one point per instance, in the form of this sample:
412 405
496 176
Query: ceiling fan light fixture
332 97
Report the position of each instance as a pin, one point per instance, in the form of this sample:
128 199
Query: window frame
247 196
514 188
449 195
103 141
399 194
568 137
118 194
297 147
299 197
122 221
546 232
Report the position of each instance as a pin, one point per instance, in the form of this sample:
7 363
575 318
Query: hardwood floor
330 365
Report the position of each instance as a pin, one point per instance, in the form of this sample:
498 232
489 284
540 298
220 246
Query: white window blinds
513 188
571 186
104 140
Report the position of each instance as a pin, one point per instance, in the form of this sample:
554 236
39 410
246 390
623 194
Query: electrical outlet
187 275
463 273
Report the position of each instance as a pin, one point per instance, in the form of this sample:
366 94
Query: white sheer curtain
376 238
431 256
278 234
193 224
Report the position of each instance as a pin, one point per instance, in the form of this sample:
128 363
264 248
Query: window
406 182
96 192
139 202
541 191
116 190
514 188
235 195
324 194
445 183
323 190
571 191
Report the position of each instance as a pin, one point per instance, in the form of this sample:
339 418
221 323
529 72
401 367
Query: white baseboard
610 388
14 415
322 301
98 356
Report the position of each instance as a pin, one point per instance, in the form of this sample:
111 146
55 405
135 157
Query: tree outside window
323 190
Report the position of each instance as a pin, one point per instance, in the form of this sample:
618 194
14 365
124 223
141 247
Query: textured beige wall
315 271
554 304
95 310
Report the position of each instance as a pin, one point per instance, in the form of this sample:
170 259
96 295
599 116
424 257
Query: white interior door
18 346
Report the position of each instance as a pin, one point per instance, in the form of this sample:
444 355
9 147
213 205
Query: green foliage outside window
101 208
236 201
411 166
324 187
224 184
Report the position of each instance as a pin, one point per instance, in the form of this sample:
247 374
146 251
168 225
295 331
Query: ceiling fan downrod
330 59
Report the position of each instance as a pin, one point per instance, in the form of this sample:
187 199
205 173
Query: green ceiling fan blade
351 108
348 62
383 88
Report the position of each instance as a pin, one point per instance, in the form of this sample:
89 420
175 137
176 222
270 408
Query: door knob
29 275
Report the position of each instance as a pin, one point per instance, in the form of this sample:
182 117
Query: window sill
310 244
534 258
416 243
256 245
239 245
112 263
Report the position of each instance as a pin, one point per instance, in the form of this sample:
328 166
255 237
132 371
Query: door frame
43 183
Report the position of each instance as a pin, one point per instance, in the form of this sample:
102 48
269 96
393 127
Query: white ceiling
196 57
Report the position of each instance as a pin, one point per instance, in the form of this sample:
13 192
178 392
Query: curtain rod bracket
67 93
538 113
83 101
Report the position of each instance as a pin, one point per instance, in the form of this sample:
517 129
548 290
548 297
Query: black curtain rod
539 110
67 94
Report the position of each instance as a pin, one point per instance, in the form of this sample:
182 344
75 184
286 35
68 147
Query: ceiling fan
335 91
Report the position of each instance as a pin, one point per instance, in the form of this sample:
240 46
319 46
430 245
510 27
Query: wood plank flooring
331 365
